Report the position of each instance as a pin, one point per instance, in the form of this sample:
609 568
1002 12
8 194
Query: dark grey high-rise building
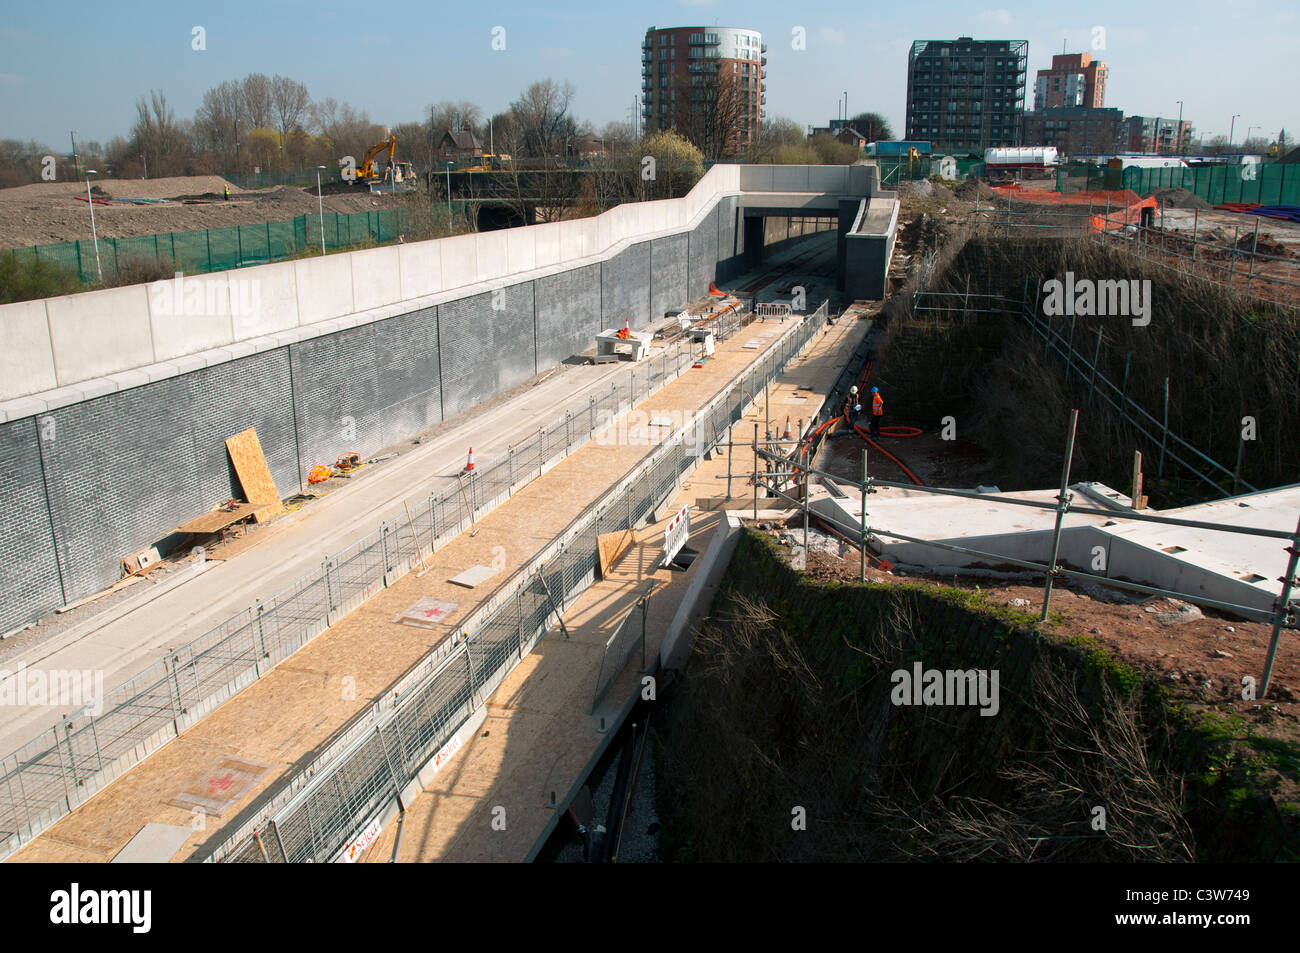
966 95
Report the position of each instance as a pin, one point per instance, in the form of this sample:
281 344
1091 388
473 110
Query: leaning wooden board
254 475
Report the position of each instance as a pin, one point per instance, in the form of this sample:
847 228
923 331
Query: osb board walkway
540 735
286 716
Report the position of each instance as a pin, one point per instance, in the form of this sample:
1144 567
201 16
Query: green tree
872 126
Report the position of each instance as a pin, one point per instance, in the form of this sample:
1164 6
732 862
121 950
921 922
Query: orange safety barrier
1124 205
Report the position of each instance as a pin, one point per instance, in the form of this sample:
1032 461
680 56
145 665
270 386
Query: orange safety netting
1124 206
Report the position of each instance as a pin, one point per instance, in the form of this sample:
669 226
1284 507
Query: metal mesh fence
218 249
44 779
349 782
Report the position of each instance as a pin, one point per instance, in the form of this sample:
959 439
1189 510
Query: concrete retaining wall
103 468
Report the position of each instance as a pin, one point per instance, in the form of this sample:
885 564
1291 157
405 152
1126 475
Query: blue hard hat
875 390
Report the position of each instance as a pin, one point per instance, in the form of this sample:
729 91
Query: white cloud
999 16
833 37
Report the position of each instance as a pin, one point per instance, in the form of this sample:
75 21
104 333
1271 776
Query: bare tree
258 105
220 120
291 104
350 132
542 112
447 116
712 112
156 133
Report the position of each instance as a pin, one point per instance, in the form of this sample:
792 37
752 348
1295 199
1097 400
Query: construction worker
877 411
226 191
851 406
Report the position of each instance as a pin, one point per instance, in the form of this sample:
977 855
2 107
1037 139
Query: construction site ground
1200 655
293 711
541 735
50 212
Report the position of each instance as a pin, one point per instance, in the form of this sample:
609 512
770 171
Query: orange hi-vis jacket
877 405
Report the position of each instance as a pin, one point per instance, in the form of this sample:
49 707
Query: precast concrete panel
485 345
29 573
668 274
568 314
26 353
625 287
122 473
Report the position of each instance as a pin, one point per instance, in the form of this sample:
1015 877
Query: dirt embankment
50 212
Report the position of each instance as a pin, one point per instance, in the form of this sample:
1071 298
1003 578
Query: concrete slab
473 576
155 844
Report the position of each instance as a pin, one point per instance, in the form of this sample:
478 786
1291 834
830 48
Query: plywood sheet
254 475
611 547
217 520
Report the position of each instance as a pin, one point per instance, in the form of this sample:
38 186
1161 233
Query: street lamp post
1249 129
1231 127
448 170
320 205
93 234
1178 133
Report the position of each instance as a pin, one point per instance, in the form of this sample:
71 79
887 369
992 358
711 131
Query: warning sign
678 532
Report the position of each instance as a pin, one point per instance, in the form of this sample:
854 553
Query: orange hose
901 465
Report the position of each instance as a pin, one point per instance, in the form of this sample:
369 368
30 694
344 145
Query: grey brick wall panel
228 398
122 472
703 255
668 274
625 287
568 314
485 351
29 573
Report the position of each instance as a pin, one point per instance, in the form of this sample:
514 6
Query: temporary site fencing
217 249
52 774
377 756
1216 183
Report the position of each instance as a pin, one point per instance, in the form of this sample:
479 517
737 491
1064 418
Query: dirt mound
972 189
164 188
288 195
1263 245
1180 198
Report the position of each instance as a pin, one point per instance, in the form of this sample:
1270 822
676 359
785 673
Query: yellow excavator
370 174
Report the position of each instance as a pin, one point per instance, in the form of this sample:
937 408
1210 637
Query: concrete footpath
492 800
273 727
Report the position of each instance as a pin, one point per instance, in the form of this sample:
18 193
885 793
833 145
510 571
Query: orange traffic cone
787 435
470 464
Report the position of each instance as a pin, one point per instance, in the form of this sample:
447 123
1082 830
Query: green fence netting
218 249
1275 184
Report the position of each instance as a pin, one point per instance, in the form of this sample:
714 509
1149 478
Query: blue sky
79 65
